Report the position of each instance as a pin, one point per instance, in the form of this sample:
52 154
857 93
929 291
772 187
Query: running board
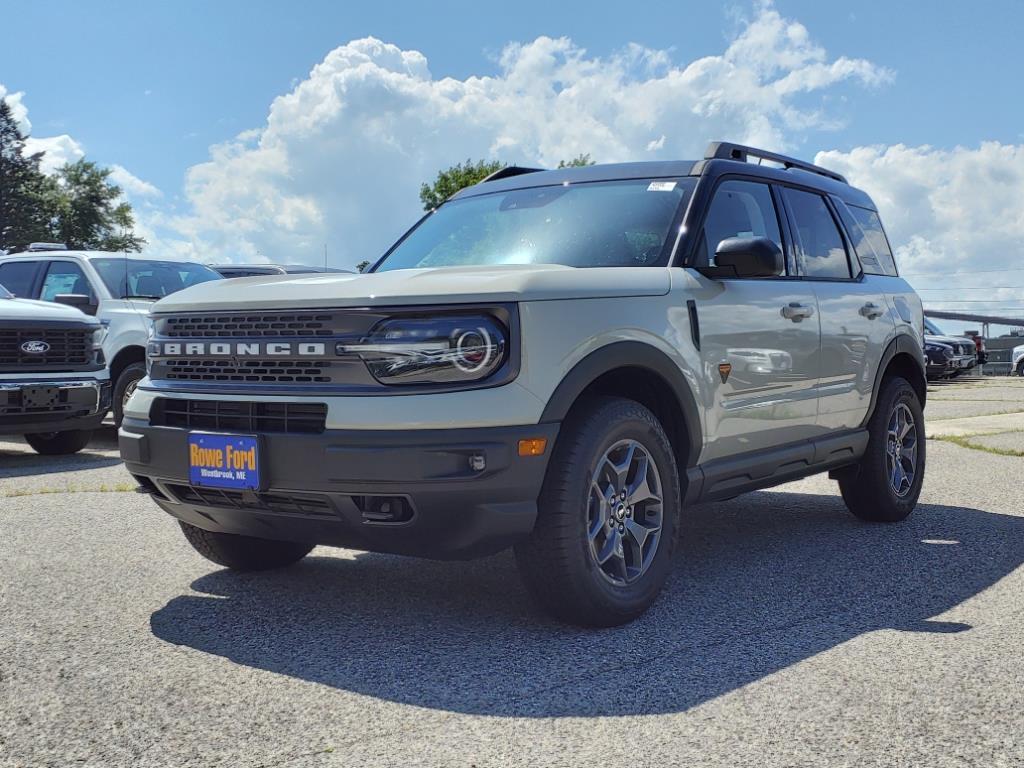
725 478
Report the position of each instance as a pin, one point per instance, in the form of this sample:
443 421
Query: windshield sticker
661 186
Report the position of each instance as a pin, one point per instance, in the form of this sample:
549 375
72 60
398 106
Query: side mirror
78 301
748 257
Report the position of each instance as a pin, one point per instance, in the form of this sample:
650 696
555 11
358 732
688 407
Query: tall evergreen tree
23 214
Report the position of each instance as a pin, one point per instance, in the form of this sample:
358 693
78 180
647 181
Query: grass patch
102 488
964 441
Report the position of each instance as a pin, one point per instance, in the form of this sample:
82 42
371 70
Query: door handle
871 310
796 312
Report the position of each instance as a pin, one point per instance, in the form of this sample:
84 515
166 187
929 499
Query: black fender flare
903 344
629 354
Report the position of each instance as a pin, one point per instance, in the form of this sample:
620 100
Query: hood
27 309
444 285
951 339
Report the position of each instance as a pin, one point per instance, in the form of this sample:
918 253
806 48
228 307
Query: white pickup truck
54 388
117 289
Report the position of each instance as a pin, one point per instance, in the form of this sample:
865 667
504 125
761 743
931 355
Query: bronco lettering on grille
243 349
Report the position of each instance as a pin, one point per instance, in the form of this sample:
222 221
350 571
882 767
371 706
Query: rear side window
18 276
820 248
739 209
869 240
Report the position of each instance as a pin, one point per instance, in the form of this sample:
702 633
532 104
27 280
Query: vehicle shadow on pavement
761 582
18 460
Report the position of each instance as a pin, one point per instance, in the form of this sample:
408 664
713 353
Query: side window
739 209
820 248
18 276
869 240
65 277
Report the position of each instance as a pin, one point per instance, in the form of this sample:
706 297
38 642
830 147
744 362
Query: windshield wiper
142 296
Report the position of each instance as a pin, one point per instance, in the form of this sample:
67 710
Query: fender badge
724 369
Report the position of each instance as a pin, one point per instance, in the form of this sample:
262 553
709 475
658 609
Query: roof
651 169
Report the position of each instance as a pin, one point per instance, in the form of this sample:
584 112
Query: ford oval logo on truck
35 347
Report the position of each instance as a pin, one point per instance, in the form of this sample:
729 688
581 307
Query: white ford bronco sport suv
117 289
560 361
54 388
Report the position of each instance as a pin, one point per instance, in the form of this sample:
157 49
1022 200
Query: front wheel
1020 368
884 486
59 443
124 388
602 546
243 553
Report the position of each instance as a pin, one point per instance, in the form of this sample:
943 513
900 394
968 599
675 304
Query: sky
244 131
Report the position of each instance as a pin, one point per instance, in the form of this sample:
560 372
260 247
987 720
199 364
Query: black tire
125 385
556 561
868 488
1020 368
59 443
243 553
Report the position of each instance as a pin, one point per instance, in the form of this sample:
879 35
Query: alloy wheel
625 512
901 450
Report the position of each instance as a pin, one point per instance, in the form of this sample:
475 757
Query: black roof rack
508 172
723 150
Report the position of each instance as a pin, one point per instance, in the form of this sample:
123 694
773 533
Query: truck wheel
1020 368
125 386
243 553
602 546
59 443
884 486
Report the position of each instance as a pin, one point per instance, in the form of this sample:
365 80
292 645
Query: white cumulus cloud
948 210
341 156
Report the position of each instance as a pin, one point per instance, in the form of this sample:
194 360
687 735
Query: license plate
224 461
39 397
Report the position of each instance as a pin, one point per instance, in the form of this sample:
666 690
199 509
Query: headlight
433 350
98 337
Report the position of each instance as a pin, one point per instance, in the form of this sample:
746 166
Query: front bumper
52 405
331 488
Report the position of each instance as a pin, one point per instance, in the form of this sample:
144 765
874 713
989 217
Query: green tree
78 205
461 175
85 210
579 161
451 180
23 216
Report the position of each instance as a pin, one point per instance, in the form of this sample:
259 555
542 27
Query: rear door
759 337
856 320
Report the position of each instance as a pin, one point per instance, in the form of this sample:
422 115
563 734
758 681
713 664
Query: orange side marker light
535 446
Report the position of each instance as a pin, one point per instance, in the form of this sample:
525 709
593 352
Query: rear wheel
884 486
59 443
602 546
243 553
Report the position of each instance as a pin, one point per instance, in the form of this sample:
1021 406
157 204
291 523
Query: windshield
932 328
145 278
599 224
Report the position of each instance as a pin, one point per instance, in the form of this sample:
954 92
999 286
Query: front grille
252 371
279 503
69 348
249 326
236 416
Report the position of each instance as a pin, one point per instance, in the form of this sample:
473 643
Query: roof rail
508 172
723 150
32 247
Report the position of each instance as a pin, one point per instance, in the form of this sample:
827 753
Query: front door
760 339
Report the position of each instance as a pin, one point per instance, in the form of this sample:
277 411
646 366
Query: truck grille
236 416
252 371
69 348
248 326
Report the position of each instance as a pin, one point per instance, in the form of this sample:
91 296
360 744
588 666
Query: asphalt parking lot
789 634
